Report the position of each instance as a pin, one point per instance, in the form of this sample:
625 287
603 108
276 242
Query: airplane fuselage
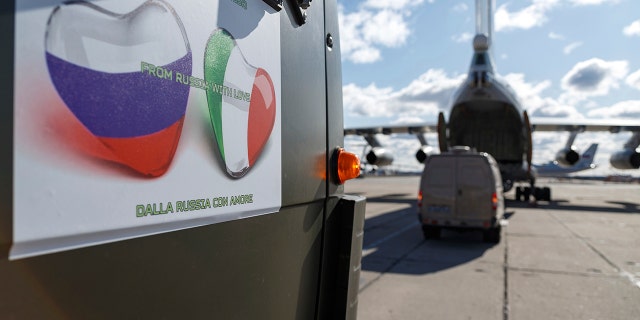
486 115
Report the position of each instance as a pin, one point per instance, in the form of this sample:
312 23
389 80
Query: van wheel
546 191
431 232
492 235
526 192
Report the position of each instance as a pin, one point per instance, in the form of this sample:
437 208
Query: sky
574 59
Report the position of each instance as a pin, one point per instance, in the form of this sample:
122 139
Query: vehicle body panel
301 262
457 191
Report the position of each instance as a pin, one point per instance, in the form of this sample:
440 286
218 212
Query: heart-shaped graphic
242 103
116 73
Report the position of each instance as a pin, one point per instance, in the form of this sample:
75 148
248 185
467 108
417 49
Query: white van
461 189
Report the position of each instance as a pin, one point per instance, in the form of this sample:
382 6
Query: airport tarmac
577 257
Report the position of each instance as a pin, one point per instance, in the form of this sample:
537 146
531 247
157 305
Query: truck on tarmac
165 159
461 190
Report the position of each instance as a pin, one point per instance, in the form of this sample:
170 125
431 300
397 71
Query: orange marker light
494 201
348 166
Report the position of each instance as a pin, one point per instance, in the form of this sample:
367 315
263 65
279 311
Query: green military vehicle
175 159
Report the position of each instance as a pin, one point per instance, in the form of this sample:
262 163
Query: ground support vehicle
95 232
461 190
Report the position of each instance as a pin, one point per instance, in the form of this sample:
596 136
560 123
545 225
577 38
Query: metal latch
299 9
275 4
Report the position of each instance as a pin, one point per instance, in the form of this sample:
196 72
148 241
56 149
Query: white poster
137 117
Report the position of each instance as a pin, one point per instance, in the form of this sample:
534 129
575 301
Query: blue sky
401 61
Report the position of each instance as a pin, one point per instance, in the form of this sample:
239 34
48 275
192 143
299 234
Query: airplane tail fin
484 18
588 156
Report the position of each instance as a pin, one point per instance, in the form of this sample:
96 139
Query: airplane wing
627 158
538 124
381 157
582 125
408 128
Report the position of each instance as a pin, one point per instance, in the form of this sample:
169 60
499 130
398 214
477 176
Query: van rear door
474 188
439 186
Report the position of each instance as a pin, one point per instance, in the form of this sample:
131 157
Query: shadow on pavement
397 245
614 207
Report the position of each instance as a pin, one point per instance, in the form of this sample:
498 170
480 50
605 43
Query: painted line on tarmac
505 275
624 274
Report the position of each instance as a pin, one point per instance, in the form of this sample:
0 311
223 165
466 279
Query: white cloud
591 2
365 54
369 101
425 96
461 7
386 28
352 43
432 85
463 37
431 92
408 120
526 91
532 99
376 24
555 36
555 109
622 109
633 80
593 77
633 29
572 46
534 15
391 5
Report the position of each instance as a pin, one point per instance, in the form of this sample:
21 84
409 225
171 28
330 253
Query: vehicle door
439 187
474 187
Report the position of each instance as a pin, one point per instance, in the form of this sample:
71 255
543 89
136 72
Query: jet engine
567 157
379 157
625 159
424 152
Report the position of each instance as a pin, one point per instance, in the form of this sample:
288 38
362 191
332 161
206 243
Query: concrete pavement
577 257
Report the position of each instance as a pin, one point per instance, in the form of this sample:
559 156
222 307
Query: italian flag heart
242 103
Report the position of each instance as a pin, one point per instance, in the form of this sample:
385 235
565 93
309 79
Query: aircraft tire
542 194
527 193
538 194
546 192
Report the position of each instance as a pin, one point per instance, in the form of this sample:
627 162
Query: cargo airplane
486 114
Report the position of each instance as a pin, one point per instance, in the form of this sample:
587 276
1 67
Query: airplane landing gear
541 194
507 185
523 193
